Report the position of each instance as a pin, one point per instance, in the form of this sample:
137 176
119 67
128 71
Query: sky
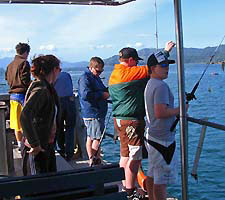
76 33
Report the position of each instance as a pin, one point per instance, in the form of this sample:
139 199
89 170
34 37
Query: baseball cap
128 52
158 58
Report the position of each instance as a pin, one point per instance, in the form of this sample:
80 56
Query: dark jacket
90 90
38 113
18 75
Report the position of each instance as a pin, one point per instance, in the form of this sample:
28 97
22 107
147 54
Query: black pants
43 162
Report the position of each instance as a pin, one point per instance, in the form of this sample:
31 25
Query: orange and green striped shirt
126 88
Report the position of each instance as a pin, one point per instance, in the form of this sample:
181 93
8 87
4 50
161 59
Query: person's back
18 77
65 135
126 87
64 85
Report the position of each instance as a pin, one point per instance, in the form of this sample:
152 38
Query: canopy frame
69 2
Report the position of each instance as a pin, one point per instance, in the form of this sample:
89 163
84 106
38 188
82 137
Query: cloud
135 45
138 45
101 46
144 35
93 22
73 27
49 47
7 50
128 45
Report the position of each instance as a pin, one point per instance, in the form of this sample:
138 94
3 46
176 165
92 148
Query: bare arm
163 111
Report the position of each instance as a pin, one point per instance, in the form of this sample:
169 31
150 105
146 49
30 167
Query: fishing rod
97 160
190 96
156 26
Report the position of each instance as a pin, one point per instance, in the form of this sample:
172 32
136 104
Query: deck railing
6 158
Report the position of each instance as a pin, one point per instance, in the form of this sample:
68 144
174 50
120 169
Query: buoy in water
141 178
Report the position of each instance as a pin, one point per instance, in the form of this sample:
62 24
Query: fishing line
156 27
191 96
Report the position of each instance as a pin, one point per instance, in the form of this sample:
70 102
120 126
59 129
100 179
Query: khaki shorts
158 169
131 133
15 112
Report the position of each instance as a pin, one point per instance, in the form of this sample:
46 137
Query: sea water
210 103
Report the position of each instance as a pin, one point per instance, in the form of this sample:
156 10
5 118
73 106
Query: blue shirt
90 91
64 85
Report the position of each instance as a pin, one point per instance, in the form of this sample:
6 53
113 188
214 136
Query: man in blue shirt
65 137
93 97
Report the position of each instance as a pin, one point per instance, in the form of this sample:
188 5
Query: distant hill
66 64
5 61
191 55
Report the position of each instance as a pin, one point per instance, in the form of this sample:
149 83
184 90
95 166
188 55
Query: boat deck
61 163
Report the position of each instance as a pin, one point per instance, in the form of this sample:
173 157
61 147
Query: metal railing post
199 150
3 152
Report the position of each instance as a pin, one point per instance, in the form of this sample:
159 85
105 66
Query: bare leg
89 147
131 171
159 191
149 187
18 135
95 146
123 163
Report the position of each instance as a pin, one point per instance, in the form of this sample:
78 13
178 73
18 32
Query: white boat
181 77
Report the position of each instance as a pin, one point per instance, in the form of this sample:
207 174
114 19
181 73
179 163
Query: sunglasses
164 65
99 71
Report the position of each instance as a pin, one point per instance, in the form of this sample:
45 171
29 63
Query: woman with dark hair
40 117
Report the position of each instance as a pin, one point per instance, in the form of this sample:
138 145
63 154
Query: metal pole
181 83
199 151
3 151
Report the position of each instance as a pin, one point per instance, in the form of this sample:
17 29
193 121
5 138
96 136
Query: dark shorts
131 133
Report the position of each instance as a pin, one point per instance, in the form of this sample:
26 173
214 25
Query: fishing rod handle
176 121
174 124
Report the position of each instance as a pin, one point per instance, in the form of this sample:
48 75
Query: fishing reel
190 96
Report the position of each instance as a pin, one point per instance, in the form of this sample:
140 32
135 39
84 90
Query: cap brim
171 61
167 62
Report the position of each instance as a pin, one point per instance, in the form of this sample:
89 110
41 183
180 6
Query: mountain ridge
191 55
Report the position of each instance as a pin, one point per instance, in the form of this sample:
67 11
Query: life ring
141 179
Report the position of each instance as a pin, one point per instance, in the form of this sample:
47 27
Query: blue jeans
65 136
